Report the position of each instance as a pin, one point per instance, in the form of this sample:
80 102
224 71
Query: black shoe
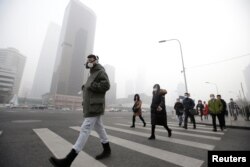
106 152
56 162
194 127
132 126
169 133
215 130
144 124
152 137
65 162
185 127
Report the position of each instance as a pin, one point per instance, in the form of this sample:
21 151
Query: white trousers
88 124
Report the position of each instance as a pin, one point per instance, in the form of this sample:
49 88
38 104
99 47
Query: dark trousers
201 115
222 117
153 129
133 119
188 114
214 120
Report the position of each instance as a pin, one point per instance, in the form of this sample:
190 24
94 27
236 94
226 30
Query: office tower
111 94
45 67
12 64
75 44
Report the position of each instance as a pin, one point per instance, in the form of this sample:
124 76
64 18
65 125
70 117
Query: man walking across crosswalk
215 108
188 104
94 92
223 112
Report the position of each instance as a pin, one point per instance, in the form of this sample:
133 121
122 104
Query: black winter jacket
179 108
188 104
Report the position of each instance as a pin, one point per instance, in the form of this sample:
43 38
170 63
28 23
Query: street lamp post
215 86
183 67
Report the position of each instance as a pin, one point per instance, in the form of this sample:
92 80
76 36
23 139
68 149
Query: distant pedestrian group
216 107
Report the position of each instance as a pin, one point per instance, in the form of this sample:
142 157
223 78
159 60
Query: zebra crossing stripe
164 155
197 127
172 140
175 125
60 147
197 130
178 133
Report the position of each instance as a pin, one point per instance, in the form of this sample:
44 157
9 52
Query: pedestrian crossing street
201 138
60 147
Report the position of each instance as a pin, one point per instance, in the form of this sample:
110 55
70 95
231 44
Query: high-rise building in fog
76 42
111 94
45 67
247 80
140 81
12 64
129 87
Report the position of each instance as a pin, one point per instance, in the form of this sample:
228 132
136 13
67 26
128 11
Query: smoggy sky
127 35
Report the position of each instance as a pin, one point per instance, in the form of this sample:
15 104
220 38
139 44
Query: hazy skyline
127 35
47 58
75 44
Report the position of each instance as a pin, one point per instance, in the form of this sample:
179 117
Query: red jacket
205 110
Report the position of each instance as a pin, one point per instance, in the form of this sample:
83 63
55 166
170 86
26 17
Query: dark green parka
94 92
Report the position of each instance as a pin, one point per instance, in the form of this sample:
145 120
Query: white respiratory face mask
155 89
90 65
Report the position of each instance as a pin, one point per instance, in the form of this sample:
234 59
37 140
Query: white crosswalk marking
178 133
197 130
60 147
164 155
198 126
174 123
172 140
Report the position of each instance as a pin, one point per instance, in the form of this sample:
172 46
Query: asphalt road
25 136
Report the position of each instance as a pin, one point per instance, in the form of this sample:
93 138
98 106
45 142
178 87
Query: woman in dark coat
137 110
158 111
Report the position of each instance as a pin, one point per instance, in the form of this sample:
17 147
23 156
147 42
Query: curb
228 126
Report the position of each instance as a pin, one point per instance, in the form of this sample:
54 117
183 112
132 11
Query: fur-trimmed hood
163 91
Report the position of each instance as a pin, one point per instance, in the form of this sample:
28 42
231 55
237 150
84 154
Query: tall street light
183 67
215 86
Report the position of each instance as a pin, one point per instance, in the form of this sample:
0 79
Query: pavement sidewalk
240 123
